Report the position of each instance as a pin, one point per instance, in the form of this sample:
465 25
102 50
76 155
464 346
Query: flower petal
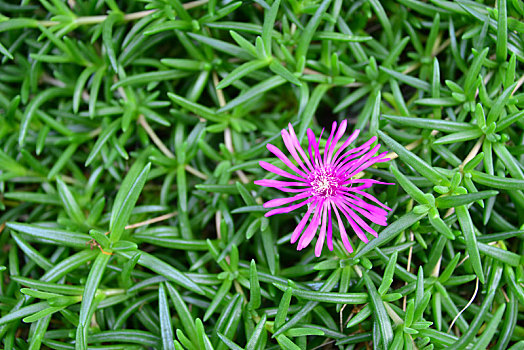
340 132
346 143
349 167
292 150
280 155
278 183
348 213
294 140
311 230
349 198
370 197
370 181
301 224
358 220
290 208
276 170
281 201
313 144
378 159
329 141
330 229
349 159
293 190
342 230
322 236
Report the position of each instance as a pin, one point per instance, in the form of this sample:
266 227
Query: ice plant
325 183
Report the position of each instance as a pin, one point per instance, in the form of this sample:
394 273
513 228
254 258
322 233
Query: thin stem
467 305
151 221
156 140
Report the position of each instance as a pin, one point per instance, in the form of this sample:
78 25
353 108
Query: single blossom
325 183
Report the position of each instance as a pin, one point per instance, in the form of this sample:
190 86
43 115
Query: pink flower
325 183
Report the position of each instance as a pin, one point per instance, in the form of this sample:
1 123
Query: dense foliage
130 136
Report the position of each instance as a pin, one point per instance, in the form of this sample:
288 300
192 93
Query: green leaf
222 46
196 108
407 79
380 314
501 255
51 235
279 69
254 287
126 199
408 186
334 298
23 312
218 298
69 202
492 326
497 181
253 92
241 71
33 106
229 343
89 301
460 136
164 269
108 39
269 23
468 230
309 31
473 73
416 162
463 199
251 344
165 319
387 279
183 313
390 232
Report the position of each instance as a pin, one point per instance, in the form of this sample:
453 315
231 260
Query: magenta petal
329 141
311 141
357 201
277 183
368 196
293 190
330 229
350 167
293 151
338 136
345 145
361 223
276 170
349 159
294 140
301 224
281 201
288 209
280 155
342 230
313 145
372 198
347 213
311 230
321 238
364 166
370 181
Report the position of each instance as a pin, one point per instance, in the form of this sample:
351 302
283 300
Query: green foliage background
116 113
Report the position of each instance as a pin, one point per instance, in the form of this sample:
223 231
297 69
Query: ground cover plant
130 139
